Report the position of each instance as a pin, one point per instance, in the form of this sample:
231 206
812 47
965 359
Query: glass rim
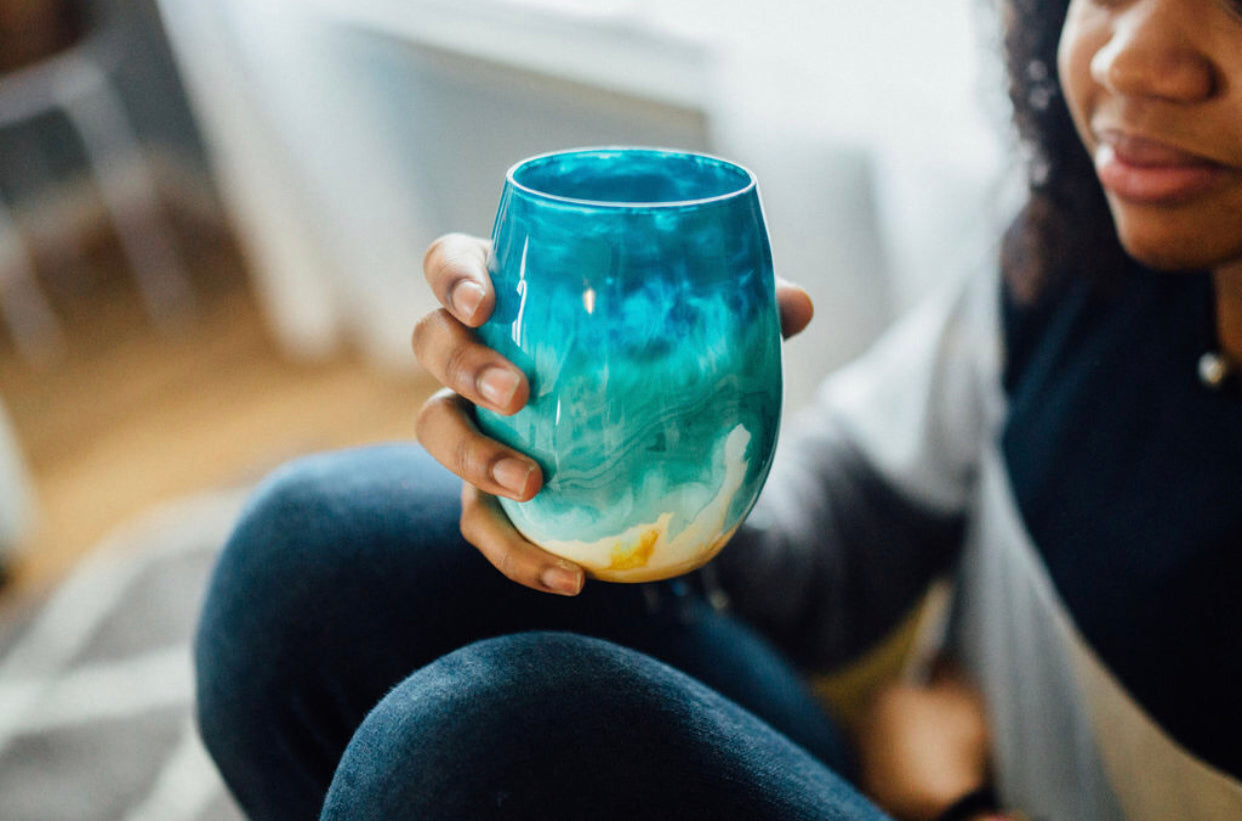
750 185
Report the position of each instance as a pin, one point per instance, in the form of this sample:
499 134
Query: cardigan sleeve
870 485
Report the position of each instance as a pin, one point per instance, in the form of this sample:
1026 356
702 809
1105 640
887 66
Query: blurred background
212 219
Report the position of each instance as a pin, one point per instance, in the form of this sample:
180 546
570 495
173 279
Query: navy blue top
1128 474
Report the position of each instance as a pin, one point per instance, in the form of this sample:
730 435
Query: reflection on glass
634 287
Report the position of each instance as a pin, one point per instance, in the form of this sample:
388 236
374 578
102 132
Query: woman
1066 439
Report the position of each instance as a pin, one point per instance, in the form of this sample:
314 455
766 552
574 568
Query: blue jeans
357 659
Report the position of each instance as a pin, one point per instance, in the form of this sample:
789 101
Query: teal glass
634 288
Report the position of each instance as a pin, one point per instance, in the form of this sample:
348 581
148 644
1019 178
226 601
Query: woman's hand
922 747
456 269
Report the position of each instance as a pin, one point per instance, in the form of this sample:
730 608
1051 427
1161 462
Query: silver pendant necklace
1216 369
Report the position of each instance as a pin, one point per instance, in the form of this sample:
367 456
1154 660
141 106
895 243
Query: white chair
77 83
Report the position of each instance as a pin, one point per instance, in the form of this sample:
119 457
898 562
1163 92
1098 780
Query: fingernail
512 474
498 386
466 296
561 580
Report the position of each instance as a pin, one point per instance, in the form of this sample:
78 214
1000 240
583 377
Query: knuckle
431 257
428 335
470 522
458 367
505 564
471 462
444 349
418 339
432 412
424 419
512 566
448 253
465 523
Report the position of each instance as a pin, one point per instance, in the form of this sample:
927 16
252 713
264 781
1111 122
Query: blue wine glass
634 288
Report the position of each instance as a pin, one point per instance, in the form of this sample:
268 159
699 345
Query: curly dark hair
1065 228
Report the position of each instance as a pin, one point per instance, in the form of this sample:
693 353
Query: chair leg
34 328
63 253
129 192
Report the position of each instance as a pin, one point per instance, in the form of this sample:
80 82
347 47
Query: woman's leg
561 726
347 573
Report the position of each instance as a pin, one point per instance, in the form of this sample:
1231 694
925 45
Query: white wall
382 123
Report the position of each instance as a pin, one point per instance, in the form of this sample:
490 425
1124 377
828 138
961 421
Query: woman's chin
1172 253
1161 260
1170 240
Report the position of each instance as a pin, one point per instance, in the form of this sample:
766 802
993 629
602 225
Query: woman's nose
1153 52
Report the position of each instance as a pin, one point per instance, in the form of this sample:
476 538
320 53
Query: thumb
795 306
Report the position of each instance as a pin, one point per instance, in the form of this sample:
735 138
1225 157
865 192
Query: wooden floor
130 416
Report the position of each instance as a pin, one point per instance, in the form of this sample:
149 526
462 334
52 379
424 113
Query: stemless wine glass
634 288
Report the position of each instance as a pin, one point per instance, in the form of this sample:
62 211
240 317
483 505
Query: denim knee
489 728
289 589
555 725
270 574
316 543
252 630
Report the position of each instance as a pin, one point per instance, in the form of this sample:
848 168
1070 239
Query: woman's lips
1150 172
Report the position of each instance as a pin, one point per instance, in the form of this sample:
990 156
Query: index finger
455 266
